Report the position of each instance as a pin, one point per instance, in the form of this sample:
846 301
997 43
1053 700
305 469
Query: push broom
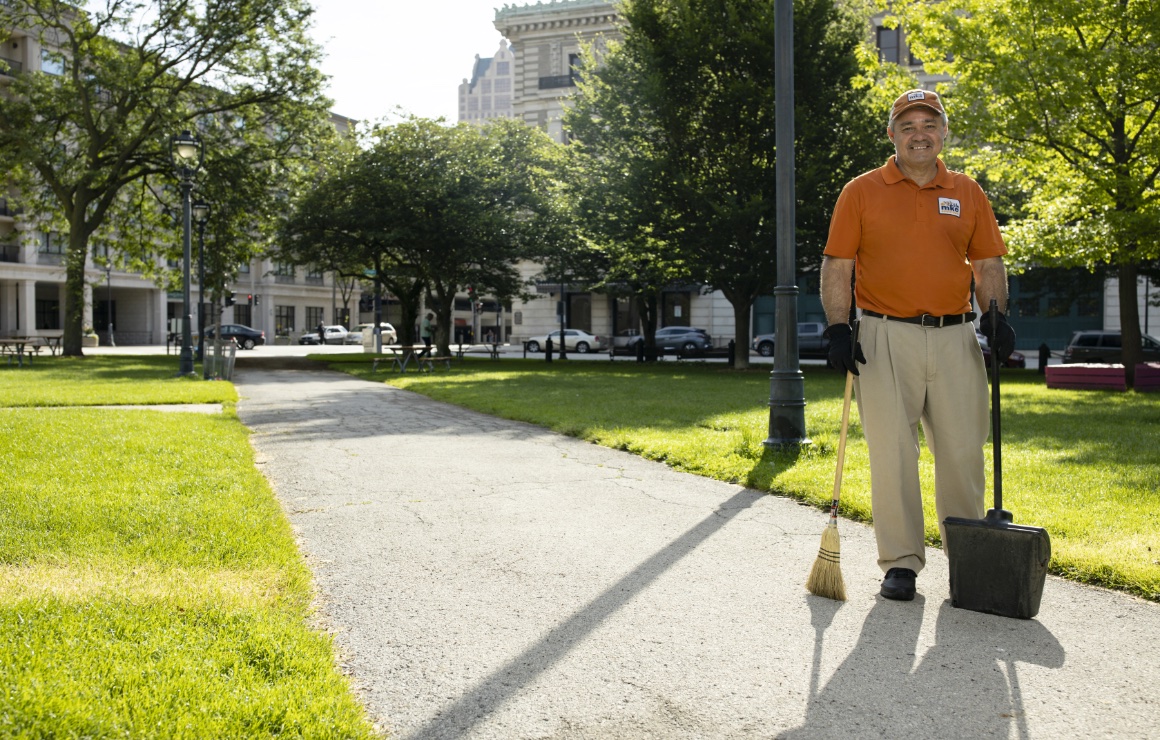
826 575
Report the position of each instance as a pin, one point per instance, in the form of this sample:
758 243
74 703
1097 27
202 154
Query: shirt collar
892 175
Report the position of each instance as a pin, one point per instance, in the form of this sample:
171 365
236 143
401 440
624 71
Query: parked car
1106 347
625 338
810 340
1017 359
366 334
246 337
683 340
574 339
333 335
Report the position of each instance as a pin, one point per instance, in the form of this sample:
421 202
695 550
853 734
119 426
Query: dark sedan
687 341
246 337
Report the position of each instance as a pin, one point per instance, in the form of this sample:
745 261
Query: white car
367 334
332 335
574 339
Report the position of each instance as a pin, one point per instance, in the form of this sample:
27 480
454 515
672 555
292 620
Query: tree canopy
433 209
677 124
88 147
1060 100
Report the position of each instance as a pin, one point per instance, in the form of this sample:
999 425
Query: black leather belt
930 322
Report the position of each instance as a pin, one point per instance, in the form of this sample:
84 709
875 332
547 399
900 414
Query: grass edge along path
1083 464
150 585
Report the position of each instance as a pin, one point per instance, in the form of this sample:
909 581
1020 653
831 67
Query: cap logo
916 95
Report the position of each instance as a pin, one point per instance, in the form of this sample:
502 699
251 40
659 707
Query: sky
382 55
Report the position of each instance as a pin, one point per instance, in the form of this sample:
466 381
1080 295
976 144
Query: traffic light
230 300
366 303
250 299
257 300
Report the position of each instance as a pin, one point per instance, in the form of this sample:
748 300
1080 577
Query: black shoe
899 584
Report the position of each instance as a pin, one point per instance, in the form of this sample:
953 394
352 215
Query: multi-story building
549 40
120 305
488 94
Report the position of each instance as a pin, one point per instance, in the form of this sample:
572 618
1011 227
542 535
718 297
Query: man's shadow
966 684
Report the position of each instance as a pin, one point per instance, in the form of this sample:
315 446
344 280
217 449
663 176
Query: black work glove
845 353
1001 335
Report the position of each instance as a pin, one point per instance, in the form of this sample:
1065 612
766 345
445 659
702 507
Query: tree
700 74
1060 99
432 209
89 148
618 187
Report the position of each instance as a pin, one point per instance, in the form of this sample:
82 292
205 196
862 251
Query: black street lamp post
186 151
787 403
201 215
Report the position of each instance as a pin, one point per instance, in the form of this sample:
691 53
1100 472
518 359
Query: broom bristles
826 576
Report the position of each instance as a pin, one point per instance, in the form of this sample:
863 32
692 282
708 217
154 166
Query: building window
283 320
243 314
504 85
314 276
244 268
888 45
486 89
52 243
47 313
503 69
1027 307
51 63
313 317
1088 305
283 272
1058 306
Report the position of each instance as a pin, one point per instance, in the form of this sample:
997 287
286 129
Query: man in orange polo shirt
913 234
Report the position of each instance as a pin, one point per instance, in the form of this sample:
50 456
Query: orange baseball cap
915 99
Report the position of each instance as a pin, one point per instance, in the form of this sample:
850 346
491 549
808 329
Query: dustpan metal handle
995 426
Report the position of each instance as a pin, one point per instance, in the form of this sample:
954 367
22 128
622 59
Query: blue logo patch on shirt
949 207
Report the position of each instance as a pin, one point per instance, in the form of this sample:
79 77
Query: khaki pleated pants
932 375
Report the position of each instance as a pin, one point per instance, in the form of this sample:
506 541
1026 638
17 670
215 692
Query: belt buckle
935 321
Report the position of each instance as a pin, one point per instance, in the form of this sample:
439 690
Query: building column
26 312
155 320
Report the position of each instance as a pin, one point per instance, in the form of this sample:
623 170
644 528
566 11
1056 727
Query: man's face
918 136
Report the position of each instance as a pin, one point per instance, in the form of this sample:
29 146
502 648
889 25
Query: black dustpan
997 567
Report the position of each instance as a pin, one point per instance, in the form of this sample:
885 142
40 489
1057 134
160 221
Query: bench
427 364
1093 376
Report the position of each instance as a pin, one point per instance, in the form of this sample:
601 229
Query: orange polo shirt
912 245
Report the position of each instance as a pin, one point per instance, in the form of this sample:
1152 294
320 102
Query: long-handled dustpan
997 567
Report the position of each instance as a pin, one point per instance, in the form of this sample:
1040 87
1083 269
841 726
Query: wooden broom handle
842 436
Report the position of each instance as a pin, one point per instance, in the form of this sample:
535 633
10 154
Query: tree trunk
742 305
76 257
1128 275
648 324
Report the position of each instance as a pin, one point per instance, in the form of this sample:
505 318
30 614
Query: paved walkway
488 579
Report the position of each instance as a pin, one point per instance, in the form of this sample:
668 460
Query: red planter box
1102 377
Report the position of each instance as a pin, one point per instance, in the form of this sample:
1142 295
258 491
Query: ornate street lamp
186 151
201 215
787 400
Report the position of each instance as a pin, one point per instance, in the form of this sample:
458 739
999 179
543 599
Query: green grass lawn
106 379
1083 464
149 582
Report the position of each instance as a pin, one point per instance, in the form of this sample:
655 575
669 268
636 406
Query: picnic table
402 355
18 347
492 348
